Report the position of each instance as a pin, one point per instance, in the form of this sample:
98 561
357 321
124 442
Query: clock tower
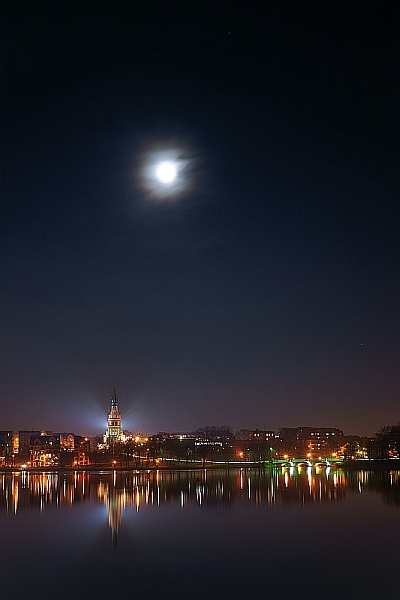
113 420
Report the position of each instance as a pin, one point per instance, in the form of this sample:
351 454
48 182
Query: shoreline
365 465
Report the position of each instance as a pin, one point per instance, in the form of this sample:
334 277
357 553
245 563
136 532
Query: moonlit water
200 534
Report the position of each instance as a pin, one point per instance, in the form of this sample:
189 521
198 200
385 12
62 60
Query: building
263 436
40 448
74 449
45 450
24 437
260 446
310 442
8 447
113 433
67 441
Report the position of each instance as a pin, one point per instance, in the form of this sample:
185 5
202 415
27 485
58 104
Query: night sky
260 289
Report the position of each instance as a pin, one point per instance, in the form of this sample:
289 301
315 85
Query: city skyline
199 204
114 426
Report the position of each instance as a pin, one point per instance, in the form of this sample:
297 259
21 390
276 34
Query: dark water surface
240 534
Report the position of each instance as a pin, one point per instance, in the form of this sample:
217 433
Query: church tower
113 420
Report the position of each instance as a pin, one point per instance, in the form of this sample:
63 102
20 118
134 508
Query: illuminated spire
113 420
114 399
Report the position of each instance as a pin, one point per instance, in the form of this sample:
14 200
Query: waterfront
239 533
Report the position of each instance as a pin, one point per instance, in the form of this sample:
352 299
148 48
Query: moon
166 172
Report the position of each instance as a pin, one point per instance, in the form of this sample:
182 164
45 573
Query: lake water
210 534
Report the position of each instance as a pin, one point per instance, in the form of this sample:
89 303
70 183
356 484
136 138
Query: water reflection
207 488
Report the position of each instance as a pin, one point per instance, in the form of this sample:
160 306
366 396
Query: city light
209 447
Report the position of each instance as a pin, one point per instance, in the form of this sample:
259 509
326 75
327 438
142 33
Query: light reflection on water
267 521
119 490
